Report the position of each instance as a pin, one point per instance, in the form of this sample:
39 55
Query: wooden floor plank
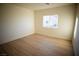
39 45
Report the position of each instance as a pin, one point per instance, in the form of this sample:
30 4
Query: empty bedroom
39 29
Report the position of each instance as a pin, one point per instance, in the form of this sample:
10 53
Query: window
50 21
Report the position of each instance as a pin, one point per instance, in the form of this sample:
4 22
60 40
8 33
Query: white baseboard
9 40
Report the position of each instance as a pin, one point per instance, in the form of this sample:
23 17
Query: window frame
49 20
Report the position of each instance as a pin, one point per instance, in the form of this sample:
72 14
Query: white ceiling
38 6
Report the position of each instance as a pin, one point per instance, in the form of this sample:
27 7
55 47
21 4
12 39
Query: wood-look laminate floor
38 45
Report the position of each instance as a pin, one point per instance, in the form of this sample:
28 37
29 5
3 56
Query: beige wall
66 22
17 22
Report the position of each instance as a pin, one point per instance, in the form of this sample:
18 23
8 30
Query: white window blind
50 21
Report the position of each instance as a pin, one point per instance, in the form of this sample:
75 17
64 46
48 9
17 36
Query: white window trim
47 26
